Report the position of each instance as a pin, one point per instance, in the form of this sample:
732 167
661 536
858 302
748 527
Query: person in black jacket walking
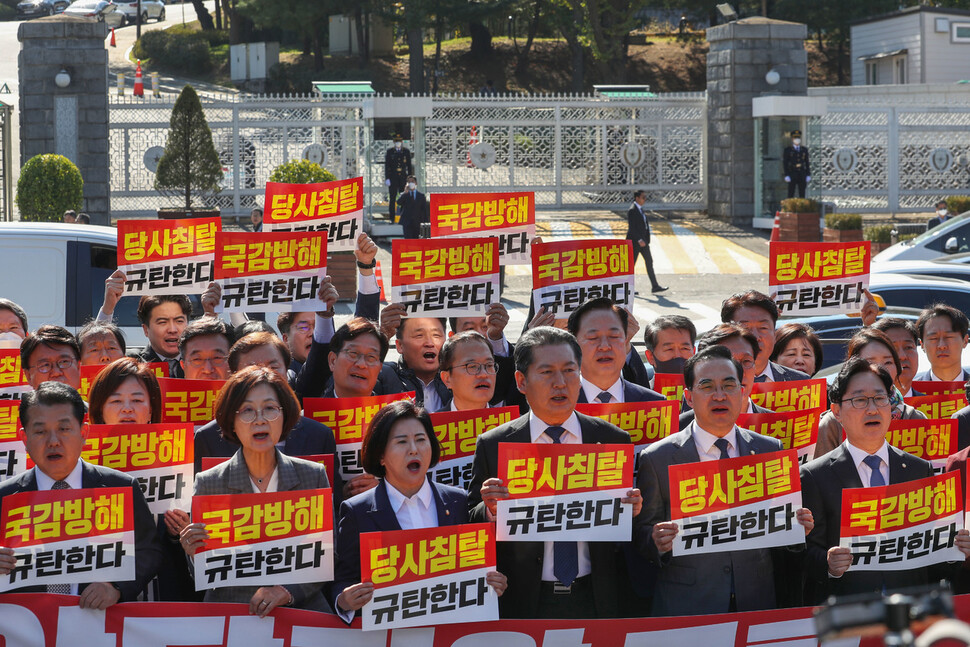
638 230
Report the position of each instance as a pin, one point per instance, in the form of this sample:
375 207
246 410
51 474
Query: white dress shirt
572 436
963 377
768 373
704 441
45 483
432 402
418 511
591 390
865 472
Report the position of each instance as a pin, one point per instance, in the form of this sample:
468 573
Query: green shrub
301 172
799 205
190 164
177 48
843 221
901 237
878 233
48 186
958 203
7 13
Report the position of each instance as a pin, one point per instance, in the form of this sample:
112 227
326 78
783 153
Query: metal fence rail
6 170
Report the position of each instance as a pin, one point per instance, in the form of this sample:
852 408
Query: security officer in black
795 163
397 168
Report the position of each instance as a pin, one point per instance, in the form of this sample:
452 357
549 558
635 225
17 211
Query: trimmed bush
301 172
902 237
878 233
190 164
48 186
799 205
843 221
958 203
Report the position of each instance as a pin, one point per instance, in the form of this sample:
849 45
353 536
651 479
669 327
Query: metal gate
6 170
252 134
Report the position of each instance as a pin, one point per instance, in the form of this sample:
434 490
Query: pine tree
190 162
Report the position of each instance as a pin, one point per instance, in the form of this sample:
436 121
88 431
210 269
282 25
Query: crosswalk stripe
722 261
680 261
697 252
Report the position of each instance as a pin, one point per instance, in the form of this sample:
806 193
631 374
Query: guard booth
775 117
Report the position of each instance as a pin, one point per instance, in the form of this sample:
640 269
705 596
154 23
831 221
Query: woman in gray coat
254 409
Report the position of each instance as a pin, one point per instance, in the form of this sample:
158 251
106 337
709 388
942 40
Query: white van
56 273
952 237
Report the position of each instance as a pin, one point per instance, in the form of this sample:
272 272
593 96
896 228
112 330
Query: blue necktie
722 444
603 397
565 554
876 477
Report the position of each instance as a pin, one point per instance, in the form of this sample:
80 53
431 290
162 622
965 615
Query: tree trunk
841 70
218 17
416 59
439 30
481 46
318 47
578 56
205 18
362 45
523 62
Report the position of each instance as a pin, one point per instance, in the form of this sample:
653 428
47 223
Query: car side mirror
950 247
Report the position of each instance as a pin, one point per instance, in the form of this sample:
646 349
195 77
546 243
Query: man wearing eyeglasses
51 354
741 580
943 335
600 326
204 348
468 369
297 331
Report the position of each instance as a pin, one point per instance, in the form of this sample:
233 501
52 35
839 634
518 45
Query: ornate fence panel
896 152
253 134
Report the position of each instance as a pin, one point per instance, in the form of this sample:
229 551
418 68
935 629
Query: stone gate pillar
73 120
741 54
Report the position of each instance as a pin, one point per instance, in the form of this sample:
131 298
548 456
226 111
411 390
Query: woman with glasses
399 447
101 343
468 368
861 398
256 409
874 346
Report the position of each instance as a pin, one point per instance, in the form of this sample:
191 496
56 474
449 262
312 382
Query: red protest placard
736 503
796 430
797 395
91 371
509 216
9 420
932 440
646 422
13 454
413 564
935 407
904 525
336 208
934 387
190 401
348 418
87 535
457 432
669 385
167 256
160 456
271 537
563 492
12 377
818 278
566 274
445 277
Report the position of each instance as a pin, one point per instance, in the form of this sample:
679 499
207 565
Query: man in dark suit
413 207
579 579
745 350
397 167
942 215
905 338
798 173
163 318
860 401
740 580
600 327
53 429
758 313
51 353
638 230
943 335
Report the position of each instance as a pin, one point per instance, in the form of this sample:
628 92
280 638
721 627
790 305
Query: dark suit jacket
687 417
935 221
785 374
796 163
371 511
414 211
823 480
148 548
698 584
963 428
149 355
636 226
521 562
958 462
927 376
396 377
634 370
232 477
631 393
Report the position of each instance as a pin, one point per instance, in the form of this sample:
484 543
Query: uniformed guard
795 163
397 168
